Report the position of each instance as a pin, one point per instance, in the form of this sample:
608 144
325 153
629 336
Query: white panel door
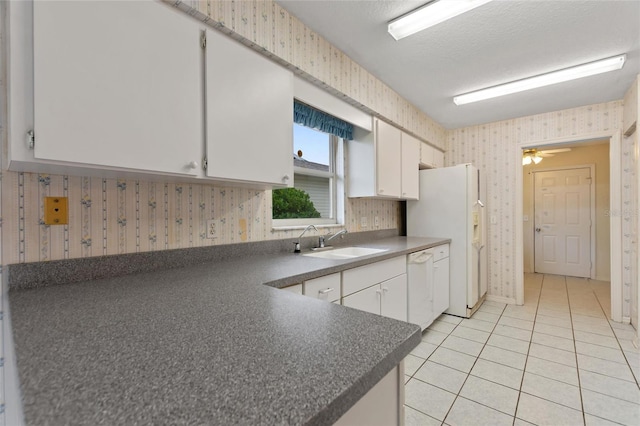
117 84
394 298
563 222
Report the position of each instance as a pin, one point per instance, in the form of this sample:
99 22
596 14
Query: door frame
592 211
615 205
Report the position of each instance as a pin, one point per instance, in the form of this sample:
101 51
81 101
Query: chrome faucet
342 232
322 240
297 243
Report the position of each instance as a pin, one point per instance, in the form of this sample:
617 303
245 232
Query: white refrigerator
451 205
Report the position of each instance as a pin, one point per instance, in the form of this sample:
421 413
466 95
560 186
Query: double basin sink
345 253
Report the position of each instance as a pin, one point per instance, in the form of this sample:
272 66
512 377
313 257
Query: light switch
494 220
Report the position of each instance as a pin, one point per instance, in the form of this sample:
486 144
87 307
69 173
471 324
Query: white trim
615 205
592 211
501 299
312 172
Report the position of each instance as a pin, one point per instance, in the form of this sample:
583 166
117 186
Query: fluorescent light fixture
567 74
429 15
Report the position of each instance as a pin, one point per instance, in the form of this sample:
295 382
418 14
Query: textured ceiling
496 43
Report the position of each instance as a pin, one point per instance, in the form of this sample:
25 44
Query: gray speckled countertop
207 344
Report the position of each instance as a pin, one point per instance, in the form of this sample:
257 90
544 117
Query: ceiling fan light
429 15
526 160
560 76
536 159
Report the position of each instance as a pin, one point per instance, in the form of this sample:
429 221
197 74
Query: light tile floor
557 360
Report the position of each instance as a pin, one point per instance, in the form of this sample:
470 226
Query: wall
581 155
493 147
631 222
109 216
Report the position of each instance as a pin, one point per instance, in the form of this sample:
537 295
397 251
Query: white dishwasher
420 288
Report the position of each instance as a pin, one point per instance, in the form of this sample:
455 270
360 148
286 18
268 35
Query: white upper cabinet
115 85
430 157
249 109
388 160
383 163
410 167
438 158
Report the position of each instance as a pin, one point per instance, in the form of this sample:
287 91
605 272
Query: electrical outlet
494 220
525 218
376 222
211 229
364 222
56 210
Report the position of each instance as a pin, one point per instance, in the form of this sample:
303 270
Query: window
317 180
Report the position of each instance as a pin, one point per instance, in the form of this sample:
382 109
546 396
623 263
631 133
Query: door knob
538 229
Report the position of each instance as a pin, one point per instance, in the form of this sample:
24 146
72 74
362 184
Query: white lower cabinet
296 288
389 298
393 301
383 405
323 288
379 288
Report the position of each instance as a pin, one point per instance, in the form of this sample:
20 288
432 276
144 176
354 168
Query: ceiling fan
534 156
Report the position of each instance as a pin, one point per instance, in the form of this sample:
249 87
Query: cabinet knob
326 291
192 165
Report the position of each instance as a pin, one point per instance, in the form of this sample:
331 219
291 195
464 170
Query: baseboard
607 278
626 320
501 299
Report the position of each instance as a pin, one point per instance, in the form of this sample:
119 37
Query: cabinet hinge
31 139
203 40
205 163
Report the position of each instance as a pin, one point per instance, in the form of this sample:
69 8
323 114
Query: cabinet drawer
439 252
325 288
296 288
365 276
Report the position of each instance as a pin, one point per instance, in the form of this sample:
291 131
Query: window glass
313 194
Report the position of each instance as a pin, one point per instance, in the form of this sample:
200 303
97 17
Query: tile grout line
584 415
471 369
637 379
526 359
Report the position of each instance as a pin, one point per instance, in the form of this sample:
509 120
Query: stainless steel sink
345 253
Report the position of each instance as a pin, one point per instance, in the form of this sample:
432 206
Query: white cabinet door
296 288
365 300
426 155
410 167
440 286
388 160
117 84
394 298
438 158
249 115
356 279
